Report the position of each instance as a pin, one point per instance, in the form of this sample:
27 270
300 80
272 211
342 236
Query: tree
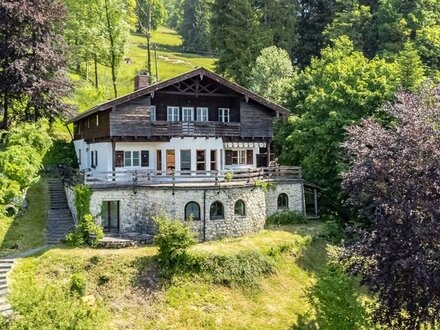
158 14
411 69
272 74
337 90
237 37
392 182
195 27
33 80
313 17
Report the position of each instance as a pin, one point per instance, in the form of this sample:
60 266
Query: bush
286 217
78 284
87 232
333 231
9 192
34 135
229 176
173 239
82 200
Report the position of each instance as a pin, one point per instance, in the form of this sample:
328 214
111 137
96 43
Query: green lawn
171 62
26 231
122 290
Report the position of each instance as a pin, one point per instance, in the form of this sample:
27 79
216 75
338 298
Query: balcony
205 129
142 178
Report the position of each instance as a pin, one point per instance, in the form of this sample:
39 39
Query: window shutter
228 157
249 157
145 159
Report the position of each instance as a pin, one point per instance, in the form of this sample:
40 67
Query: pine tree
237 37
33 82
195 27
412 72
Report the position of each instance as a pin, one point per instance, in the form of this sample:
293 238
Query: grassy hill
172 61
121 289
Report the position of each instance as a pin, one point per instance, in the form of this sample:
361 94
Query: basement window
217 211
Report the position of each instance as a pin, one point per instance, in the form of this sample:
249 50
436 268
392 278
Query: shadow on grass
148 276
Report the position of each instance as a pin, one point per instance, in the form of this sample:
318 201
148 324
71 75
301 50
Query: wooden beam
200 94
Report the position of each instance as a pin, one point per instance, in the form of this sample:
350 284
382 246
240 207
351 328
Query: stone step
5 266
3 292
6 309
9 261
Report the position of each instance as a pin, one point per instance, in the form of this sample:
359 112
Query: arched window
239 208
192 209
283 201
217 211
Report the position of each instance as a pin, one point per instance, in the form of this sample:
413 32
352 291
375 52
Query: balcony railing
152 177
192 128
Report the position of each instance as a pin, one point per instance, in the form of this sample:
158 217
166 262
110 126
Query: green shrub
33 135
83 195
286 217
87 232
9 192
229 176
242 269
173 239
333 231
78 284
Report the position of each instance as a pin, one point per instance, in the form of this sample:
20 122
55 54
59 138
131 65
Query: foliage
335 287
392 182
265 185
9 191
173 239
33 81
78 284
87 232
286 217
236 35
229 176
271 74
34 135
411 69
337 89
158 14
332 230
83 195
196 27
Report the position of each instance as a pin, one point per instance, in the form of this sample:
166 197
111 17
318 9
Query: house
195 146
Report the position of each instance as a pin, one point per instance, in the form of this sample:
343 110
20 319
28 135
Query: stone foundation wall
70 195
137 208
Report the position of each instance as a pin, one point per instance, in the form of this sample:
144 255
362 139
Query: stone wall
137 208
70 195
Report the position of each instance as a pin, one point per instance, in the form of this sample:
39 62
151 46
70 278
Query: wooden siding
256 121
131 118
89 130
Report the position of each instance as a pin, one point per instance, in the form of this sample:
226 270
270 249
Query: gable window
94 160
217 211
187 114
145 158
151 113
202 114
97 120
119 158
192 210
283 201
239 208
223 115
131 158
172 113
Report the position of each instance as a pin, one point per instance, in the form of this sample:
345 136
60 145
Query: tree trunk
95 59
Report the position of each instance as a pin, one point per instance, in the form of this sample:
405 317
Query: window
119 158
192 210
185 160
216 211
110 216
283 201
239 208
213 160
173 114
239 157
145 158
223 115
151 113
159 161
187 114
79 156
97 120
171 160
94 160
200 160
202 114
131 158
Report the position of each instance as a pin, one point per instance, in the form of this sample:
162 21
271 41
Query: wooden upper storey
199 103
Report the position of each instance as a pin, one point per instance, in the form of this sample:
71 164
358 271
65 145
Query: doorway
110 216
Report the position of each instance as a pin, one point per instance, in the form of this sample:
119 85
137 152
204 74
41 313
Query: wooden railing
152 177
192 128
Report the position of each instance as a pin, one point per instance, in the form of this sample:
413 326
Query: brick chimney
141 80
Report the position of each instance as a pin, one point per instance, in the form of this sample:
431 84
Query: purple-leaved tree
394 182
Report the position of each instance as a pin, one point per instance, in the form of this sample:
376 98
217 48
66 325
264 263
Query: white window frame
152 109
241 158
185 113
224 115
173 113
202 114
129 158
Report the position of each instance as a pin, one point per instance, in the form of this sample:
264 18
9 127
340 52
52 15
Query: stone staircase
59 219
5 266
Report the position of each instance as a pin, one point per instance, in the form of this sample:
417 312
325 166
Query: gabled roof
166 83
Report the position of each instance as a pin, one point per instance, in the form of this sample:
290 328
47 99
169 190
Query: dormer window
223 115
172 113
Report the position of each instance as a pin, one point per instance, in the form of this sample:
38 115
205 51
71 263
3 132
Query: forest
359 78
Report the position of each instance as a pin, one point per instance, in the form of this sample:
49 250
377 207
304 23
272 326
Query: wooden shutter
228 157
249 157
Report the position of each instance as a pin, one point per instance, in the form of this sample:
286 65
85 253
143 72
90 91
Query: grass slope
122 293
26 231
171 62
